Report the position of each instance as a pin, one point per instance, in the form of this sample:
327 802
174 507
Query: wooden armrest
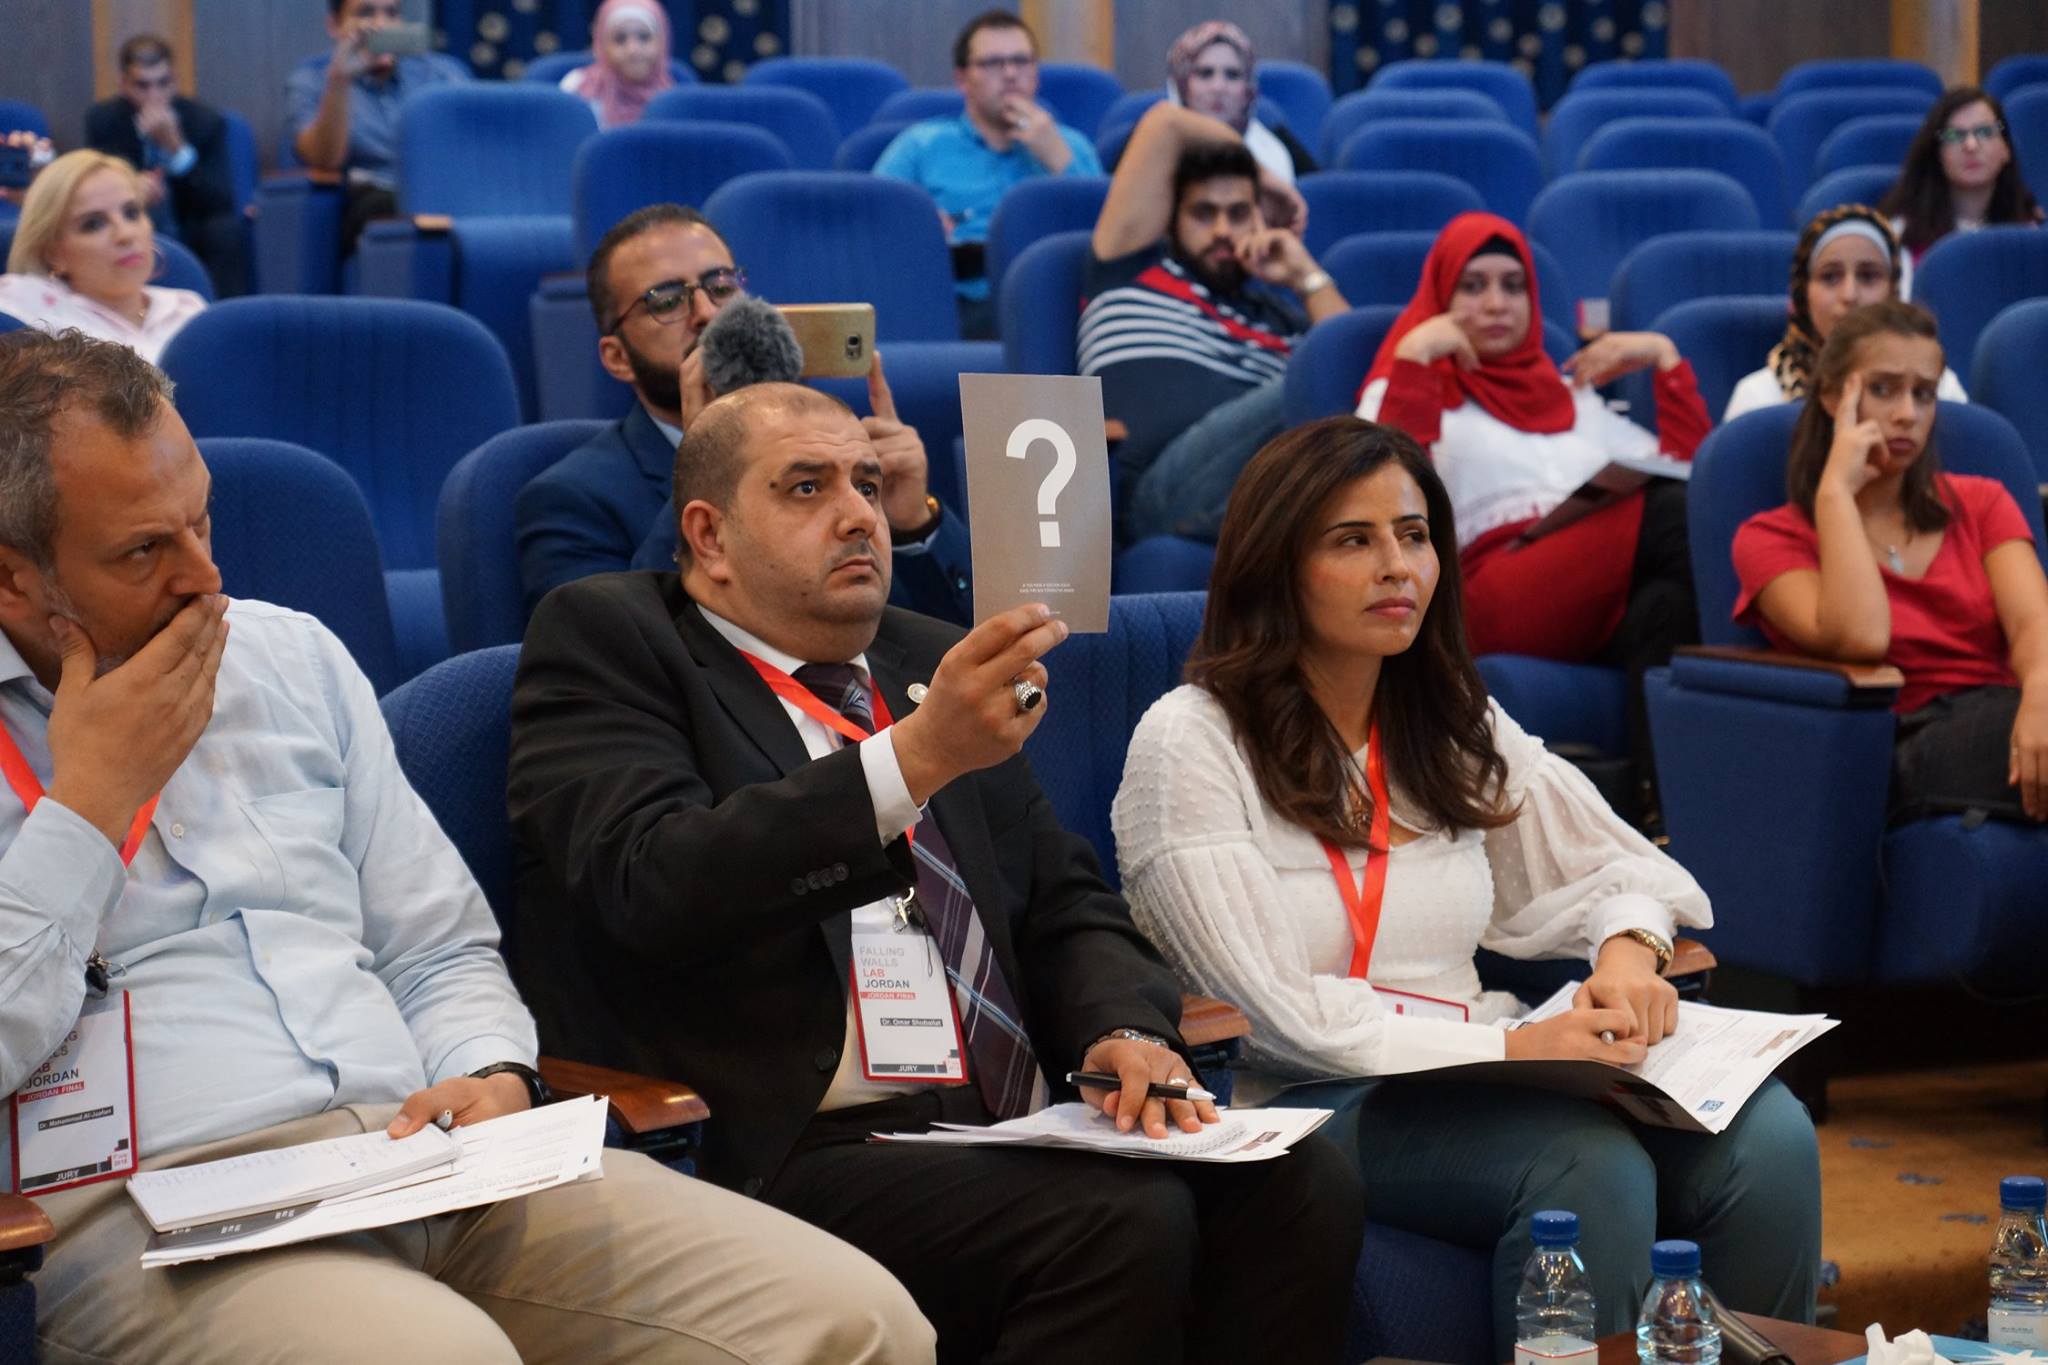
641 1104
305 173
432 222
1872 676
23 1224
1689 957
1113 430
1204 1021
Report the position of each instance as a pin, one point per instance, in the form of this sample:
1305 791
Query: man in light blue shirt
1001 137
301 950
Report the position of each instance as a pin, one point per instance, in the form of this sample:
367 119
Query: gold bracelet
1653 942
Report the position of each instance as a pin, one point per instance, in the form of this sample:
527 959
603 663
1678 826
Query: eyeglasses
668 302
1986 133
1020 61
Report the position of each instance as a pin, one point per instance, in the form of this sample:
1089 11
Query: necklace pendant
1895 559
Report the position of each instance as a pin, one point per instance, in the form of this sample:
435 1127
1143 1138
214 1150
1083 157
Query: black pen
1103 1081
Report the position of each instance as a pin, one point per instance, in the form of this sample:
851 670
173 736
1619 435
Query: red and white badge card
74 1118
903 1003
1422 1006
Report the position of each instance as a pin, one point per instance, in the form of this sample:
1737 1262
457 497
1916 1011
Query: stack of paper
499 1159
262 1181
1242 1135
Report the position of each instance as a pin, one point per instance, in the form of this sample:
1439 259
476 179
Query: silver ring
1029 695
1179 1082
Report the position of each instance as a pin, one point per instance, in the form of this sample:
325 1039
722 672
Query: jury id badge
903 1002
74 1119
1422 1006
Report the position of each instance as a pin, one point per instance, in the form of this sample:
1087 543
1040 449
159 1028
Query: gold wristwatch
1654 942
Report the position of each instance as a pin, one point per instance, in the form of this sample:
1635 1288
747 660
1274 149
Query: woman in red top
1879 555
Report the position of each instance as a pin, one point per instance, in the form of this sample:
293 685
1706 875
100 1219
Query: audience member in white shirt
1847 257
84 253
1334 706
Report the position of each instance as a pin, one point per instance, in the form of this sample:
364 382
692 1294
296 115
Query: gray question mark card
1038 495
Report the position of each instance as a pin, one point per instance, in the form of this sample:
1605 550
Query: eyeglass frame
1986 133
689 288
1012 61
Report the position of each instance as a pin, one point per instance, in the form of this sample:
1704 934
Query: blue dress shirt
373 109
295 934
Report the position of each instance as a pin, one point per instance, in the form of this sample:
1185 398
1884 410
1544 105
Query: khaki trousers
643 1265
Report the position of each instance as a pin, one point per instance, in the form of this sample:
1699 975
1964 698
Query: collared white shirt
50 305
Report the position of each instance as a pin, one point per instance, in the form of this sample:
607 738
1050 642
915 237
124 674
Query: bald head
714 452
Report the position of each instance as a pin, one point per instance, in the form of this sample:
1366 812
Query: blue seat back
2026 122
924 380
1384 267
451 728
1499 161
19 116
1077 94
2005 374
181 269
1328 366
395 391
1680 266
550 69
1854 73
1802 122
244 167
490 149
659 162
801 120
1125 111
1361 107
477 537
851 87
1303 94
923 102
1108 681
1575 118
836 237
1685 73
1734 147
1967 277
1344 203
1505 85
1724 338
1034 209
10 323
864 148
2028 68
290 527
1163 564
1851 185
1592 219
1873 140
1040 304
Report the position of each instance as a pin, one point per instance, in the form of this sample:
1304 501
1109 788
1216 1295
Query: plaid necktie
1004 1067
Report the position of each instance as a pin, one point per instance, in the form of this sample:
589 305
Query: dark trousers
1662 613
364 204
222 245
1951 757
1034 1256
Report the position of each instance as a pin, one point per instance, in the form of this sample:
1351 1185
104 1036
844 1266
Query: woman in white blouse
1332 669
83 256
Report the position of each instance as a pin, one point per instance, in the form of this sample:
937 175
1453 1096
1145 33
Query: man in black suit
181 148
704 863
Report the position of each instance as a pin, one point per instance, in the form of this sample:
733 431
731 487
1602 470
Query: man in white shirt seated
205 827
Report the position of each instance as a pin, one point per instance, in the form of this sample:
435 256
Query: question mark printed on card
1055 483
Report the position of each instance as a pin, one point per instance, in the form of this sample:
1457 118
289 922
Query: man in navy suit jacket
656 280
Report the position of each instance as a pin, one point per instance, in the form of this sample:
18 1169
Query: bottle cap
2023 1192
1675 1258
1554 1228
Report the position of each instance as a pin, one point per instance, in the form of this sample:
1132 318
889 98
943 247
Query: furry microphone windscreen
749 342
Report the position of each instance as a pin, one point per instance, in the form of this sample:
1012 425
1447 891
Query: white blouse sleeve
1950 390
1188 827
1757 389
1369 401
1568 873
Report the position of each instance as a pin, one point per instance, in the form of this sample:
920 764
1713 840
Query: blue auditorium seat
1575 118
476 537
827 237
569 382
1362 107
10 323
1591 219
1163 564
1033 209
925 101
1802 122
1126 111
924 380
1507 87
1385 267
1301 91
2005 374
393 390
865 146
2026 122
653 162
1865 185
550 69
1734 147
1345 203
1040 304
290 527
1873 140
181 269
1499 161
1860 73
1327 369
1928 902
1757 108
1967 277
1076 93
2028 68
1681 266
1724 338
1687 73
851 87
802 121
19 116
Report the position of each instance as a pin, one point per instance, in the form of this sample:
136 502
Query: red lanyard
1362 903
29 788
812 705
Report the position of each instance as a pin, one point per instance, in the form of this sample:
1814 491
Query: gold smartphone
838 339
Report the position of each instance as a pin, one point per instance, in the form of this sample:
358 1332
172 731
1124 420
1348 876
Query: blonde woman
84 254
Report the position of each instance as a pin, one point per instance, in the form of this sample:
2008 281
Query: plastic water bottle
2019 1265
1677 1326
1554 1308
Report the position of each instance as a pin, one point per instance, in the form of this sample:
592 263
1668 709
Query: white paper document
1620 476
1241 1135
261 1181
499 1159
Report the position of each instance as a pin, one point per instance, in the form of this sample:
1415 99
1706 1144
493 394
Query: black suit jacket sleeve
205 191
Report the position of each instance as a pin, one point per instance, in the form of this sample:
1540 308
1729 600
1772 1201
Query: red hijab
1521 388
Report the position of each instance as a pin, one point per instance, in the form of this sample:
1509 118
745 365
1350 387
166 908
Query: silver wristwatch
1133 1035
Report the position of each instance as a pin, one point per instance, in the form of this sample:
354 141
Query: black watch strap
537 1092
